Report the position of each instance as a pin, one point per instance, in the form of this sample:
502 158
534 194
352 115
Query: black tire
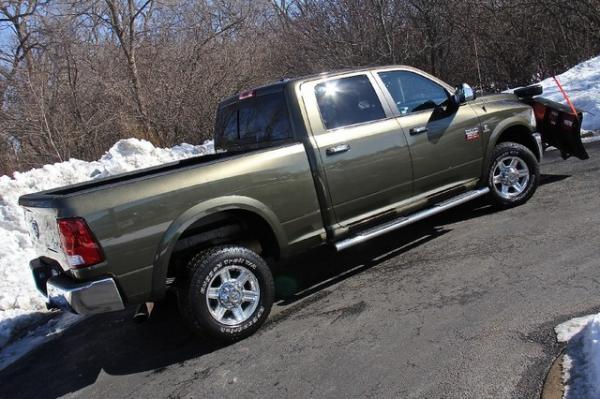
503 153
206 267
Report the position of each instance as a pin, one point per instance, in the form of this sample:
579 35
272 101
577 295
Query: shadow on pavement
114 344
549 179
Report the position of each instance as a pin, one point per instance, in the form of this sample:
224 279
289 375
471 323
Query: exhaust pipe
143 312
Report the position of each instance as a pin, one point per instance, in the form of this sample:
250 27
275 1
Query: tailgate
43 231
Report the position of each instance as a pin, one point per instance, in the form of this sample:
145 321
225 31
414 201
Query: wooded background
76 76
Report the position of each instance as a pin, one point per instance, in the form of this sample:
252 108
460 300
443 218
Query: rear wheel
514 174
226 292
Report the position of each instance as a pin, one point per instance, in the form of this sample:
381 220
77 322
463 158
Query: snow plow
559 125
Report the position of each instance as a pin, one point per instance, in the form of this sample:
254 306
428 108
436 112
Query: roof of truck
279 85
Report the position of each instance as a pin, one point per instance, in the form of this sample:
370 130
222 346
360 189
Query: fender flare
199 211
503 126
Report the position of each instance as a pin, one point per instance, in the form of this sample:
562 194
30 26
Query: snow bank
36 337
581 367
582 84
20 303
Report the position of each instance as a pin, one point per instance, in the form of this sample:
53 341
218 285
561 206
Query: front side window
348 101
412 92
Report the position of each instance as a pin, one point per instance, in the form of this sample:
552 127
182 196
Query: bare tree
78 75
16 14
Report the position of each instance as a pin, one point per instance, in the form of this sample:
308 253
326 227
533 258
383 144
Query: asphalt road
459 306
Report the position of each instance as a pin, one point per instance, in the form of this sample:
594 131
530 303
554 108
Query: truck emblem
472 133
35 229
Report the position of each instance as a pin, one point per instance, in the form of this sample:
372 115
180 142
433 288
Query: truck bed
43 199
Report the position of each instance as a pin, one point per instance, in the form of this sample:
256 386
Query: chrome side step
405 221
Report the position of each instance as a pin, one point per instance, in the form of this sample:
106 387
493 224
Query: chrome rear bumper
62 292
97 296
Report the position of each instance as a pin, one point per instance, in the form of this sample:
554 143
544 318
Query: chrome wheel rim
510 177
233 295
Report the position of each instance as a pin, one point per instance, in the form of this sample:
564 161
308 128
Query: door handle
337 149
418 130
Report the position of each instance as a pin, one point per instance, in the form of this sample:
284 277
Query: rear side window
258 120
348 101
412 92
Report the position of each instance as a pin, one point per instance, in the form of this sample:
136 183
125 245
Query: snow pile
581 367
582 84
38 336
20 303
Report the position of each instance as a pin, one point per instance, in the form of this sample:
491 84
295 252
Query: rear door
445 144
363 152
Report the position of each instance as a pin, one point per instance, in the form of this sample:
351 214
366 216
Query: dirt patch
553 385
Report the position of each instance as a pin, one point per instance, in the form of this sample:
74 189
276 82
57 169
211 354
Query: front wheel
227 292
513 175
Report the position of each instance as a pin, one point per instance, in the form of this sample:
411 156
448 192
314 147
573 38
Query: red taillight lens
79 243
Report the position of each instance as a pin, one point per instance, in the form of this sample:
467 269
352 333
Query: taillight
78 242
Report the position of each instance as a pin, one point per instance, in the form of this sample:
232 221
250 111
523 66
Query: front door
364 153
445 144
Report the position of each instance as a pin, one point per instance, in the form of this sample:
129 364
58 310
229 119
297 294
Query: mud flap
558 127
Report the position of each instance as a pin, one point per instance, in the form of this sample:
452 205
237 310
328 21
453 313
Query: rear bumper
62 292
91 297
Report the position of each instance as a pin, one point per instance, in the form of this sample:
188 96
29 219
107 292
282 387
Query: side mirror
464 93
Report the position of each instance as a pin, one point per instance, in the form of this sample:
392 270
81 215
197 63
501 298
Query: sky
5 35
5 39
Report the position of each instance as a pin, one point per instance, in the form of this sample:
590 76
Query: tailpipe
143 312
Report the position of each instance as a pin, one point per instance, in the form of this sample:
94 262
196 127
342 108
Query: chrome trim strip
405 221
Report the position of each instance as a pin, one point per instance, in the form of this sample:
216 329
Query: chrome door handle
418 130
337 149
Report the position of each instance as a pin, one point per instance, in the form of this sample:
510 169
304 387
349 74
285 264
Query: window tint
348 101
227 124
253 121
264 119
412 92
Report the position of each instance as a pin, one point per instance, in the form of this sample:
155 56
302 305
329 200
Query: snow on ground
20 304
36 336
581 366
591 139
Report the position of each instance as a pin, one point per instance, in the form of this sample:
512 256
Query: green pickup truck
334 159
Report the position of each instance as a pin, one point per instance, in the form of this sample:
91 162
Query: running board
405 221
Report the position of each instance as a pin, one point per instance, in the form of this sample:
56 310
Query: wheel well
228 227
522 135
